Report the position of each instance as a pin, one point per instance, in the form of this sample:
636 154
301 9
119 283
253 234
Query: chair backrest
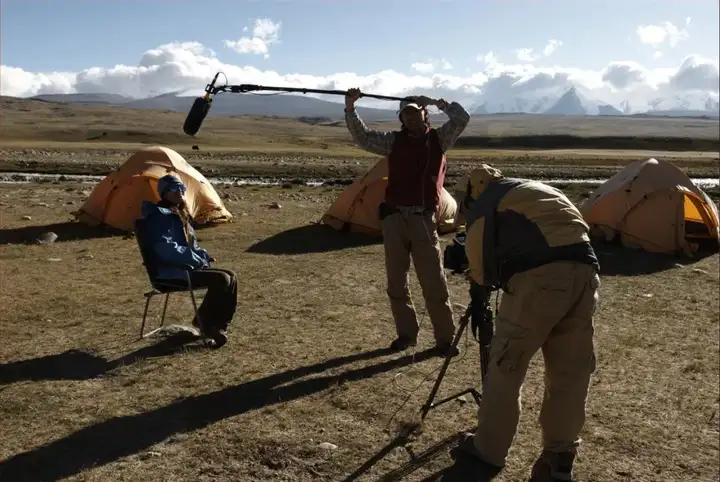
145 248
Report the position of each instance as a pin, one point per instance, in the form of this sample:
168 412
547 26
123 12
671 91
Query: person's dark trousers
218 307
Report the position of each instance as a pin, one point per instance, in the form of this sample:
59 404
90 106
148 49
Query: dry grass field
61 138
45 125
82 399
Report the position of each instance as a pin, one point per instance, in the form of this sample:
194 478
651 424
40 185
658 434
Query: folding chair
160 287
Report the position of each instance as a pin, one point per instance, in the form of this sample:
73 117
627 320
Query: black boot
553 467
444 349
402 342
218 335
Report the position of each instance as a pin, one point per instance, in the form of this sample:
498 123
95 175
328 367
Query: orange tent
653 205
356 209
116 201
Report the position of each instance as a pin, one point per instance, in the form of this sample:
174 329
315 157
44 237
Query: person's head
413 117
473 184
171 189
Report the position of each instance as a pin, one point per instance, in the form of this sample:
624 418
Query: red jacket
416 170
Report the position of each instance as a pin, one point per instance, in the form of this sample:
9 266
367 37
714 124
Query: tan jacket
514 225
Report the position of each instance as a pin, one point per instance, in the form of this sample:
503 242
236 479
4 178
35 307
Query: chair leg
194 303
162 321
142 327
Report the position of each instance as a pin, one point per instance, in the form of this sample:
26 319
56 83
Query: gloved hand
482 315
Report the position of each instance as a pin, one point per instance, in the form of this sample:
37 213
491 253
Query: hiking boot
219 337
402 342
553 467
467 447
446 349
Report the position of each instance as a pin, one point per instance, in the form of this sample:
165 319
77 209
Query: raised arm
453 127
377 142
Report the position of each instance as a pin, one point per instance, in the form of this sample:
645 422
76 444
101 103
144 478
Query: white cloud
265 33
423 67
187 67
551 47
431 66
622 75
527 55
488 59
696 73
662 33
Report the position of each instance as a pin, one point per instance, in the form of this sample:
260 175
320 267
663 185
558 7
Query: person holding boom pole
416 173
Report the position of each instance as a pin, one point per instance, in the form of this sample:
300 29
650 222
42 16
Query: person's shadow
463 469
65 231
313 238
122 436
80 365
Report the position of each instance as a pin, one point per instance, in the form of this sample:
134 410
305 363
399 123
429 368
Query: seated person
171 239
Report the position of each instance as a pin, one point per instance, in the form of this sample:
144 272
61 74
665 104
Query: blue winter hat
169 183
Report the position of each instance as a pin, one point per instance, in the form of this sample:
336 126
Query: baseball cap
404 104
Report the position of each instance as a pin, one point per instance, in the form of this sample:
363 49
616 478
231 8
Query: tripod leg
461 328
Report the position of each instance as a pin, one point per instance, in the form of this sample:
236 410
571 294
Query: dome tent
356 208
653 205
116 201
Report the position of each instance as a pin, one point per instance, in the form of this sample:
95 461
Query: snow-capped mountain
535 102
577 100
691 103
528 102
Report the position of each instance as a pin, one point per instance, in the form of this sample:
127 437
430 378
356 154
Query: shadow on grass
80 365
313 238
618 261
67 231
464 468
119 437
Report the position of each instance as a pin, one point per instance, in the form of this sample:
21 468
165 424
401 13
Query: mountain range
572 101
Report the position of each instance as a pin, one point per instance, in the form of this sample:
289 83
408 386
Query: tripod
486 331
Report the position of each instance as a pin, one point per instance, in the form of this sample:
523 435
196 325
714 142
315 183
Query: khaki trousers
407 234
549 308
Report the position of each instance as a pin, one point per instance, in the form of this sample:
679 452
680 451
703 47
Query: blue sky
324 36
622 51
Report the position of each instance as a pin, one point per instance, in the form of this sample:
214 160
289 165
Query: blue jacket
166 237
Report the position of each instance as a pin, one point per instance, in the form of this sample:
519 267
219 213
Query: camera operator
528 239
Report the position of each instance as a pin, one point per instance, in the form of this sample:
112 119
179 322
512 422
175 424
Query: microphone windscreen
195 117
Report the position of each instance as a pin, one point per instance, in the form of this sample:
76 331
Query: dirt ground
82 399
341 169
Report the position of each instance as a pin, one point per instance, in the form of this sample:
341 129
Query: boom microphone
196 116
199 110
201 106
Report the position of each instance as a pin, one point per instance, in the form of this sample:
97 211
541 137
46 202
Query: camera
454 257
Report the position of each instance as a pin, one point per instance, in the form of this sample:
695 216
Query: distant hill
37 122
572 101
89 99
226 104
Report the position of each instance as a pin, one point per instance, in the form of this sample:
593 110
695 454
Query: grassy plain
65 138
82 399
